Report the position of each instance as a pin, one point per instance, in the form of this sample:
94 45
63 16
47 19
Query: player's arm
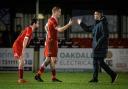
46 27
25 41
84 26
61 29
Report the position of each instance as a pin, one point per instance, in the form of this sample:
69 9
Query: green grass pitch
71 80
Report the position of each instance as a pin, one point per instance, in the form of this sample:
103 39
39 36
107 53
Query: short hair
34 20
99 11
55 8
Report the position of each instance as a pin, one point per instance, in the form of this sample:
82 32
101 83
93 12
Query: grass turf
78 80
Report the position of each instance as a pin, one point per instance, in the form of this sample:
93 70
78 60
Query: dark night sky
29 5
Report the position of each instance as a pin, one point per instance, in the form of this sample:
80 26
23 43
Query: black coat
100 36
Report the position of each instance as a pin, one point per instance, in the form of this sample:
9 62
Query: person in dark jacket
100 44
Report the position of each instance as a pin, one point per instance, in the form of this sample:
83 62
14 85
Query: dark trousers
99 61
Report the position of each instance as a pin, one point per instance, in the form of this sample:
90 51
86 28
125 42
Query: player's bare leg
20 70
41 70
53 69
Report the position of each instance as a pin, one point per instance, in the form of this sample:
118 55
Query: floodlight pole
36 44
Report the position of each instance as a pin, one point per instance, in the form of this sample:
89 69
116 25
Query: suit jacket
100 36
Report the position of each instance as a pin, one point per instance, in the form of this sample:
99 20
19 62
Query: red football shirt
27 32
18 44
51 44
52 32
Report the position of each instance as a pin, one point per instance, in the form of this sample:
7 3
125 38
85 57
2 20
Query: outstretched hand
78 21
70 22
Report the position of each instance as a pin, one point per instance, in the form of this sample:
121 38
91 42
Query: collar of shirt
55 18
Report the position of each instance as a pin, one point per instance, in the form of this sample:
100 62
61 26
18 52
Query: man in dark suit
100 44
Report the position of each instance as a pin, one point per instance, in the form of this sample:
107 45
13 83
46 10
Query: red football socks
41 70
20 73
53 74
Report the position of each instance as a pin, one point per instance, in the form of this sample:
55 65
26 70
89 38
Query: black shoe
56 80
93 81
114 77
38 78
